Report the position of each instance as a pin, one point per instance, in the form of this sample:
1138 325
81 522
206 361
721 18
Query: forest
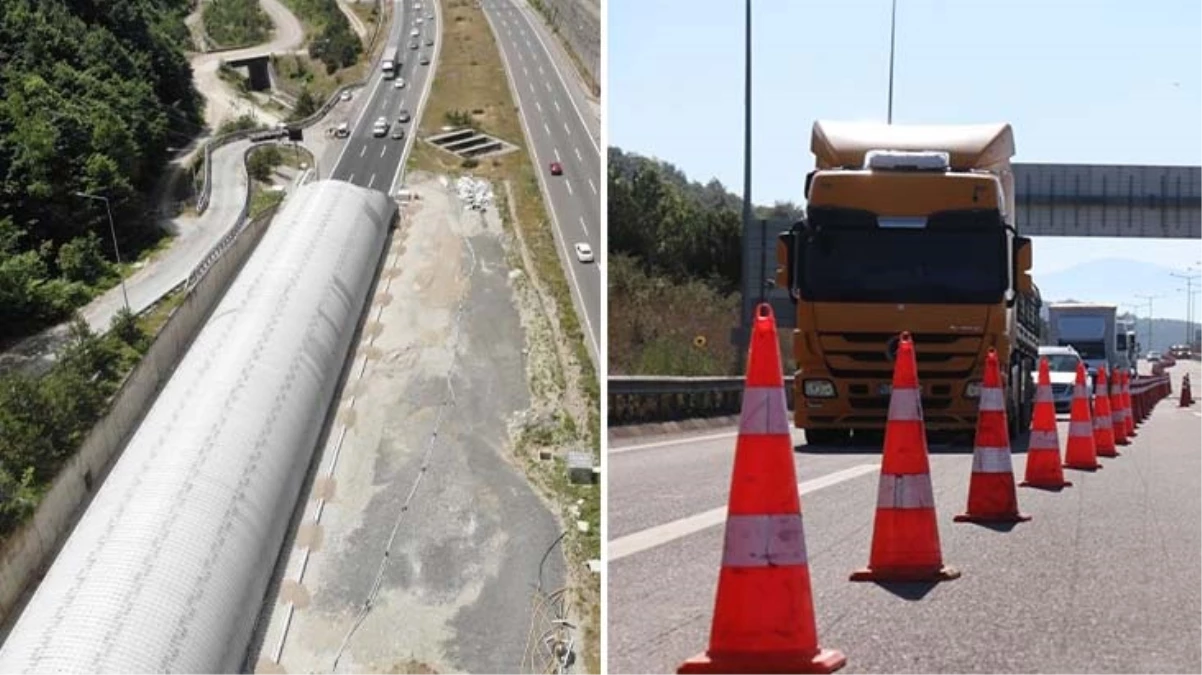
95 94
674 269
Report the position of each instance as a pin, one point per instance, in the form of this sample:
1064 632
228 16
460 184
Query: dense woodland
93 95
673 244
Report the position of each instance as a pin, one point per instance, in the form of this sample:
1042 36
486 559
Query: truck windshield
847 258
1062 363
1089 350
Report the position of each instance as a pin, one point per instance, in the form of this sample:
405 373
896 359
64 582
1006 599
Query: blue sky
1100 82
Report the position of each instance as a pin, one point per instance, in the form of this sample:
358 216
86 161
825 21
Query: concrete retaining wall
28 552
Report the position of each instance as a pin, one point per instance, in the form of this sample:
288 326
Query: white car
417 21
1062 367
414 33
399 84
345 96
380 128
584 252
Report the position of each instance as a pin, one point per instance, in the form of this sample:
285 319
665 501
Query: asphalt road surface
376 162
1105 578
557 132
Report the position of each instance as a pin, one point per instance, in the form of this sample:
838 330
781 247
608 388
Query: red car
556 169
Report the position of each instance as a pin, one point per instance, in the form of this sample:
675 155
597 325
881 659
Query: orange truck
908 228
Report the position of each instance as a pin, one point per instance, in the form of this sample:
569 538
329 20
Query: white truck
1126 346
391 62
1090 329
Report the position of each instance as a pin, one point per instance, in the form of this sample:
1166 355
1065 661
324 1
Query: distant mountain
1119 281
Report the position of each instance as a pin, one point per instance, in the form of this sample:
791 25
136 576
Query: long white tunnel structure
167 569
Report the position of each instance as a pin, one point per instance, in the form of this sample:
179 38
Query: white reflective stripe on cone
1079 391
1043 440
764 411
1102 422
1080 429
1044 394
992 399
760 541
905 406
907 491
991 460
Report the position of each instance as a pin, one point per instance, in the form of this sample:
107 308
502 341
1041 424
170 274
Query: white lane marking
592 185
363 151
525 71
677 441
372 181
569 184
583 225
555 67
547 128
557 108
662 534
540 70
531 85
383 150
578 154
547 85
566 129
350 178
556 150
539 106
359 119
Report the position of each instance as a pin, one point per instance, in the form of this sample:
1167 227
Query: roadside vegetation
471 89
90 102
673 243
236 23
261 166
336 55
589 81
44 419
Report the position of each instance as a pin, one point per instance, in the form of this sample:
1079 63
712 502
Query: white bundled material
167 569
474 193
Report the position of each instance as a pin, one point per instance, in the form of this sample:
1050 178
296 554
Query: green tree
263 161
82 260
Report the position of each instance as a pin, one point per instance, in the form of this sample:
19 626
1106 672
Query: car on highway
403 116
415 32
430 16
1152 356
399 84
413 45
556 169
425 60
417 21
584 252
429 42
345 96
398 132
1062 367
380 128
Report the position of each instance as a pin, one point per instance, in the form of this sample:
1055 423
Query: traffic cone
1128 411
905 534
1117 420
1103 428
1187 399
764 611
992 496
1043 448
1081 452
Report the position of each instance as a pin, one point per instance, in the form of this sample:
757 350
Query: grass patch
236 23
577 63
298 72
152 320
262 198
471 78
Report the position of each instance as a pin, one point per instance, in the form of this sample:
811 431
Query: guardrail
642 399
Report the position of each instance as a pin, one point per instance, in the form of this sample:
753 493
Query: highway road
551 108
374 162
1106 577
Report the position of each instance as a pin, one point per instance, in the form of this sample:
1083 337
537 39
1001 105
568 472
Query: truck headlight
973 389
819 388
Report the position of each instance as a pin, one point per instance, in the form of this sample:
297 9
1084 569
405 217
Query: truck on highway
908 228
391 61
1091 329
1126 348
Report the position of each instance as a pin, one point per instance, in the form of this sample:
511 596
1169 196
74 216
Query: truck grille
940 356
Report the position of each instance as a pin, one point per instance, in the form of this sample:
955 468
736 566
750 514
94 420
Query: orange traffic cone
1117 419
764 611
1187 398
1081 453
905 534
1103 428
1128 411
992 496
1043 448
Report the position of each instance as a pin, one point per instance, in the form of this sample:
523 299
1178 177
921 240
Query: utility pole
747 307
1189 302
116 249
1149 298
892 44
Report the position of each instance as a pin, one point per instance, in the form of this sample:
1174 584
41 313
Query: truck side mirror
1022 265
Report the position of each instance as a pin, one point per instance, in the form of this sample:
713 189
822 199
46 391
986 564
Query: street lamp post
1149 298
892 44
1189 304
116 249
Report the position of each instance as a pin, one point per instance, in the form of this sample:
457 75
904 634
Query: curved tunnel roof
167 569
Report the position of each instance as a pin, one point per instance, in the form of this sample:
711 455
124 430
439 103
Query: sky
1082 82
